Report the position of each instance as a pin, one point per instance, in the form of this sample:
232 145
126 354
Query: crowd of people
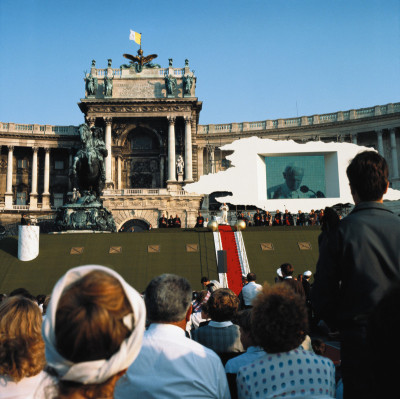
95 336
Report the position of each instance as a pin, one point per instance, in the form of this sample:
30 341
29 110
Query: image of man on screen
291 188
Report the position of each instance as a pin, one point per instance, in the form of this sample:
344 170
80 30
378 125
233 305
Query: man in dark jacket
359 259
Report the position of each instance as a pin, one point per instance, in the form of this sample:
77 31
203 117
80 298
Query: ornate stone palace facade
150 117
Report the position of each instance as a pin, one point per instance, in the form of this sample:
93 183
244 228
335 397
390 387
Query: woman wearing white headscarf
93 331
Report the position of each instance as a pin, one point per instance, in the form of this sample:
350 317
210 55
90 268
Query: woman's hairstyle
89 318
222 305
21 343
279 318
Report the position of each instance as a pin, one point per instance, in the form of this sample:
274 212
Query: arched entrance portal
134 226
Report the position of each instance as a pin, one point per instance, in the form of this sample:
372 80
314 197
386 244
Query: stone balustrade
300 121
224 128
18 128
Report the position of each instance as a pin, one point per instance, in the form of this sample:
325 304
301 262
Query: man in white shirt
250 290
169 364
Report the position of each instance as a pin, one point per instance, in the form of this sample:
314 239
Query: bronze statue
140 61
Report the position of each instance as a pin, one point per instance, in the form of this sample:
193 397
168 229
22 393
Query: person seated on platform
250 290
170 365
277 218
220 335
300 219
253 352
244 218
312 218
278 324
171 221
266 219
177 222
25 221
162 222
93 331
320 217
199 221
22 358
287 218
257 218
287 274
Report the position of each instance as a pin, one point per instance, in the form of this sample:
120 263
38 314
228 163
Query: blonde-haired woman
93 332
22 356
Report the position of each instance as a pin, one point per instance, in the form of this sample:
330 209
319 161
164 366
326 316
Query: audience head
168 298
222 305
22 292
93 329
368 176
251 277
287 269
21 343
243 320
279 319
307 274
318 346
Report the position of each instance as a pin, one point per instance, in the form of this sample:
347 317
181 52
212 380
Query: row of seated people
266 218
99 338
171 222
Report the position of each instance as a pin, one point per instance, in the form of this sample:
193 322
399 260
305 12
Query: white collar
220 324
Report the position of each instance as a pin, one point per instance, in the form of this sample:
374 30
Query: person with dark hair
253 352
287 219
300 219
359 258
287 271
171 222
250 290
199 221
177 222
266 218
279 322
162 222
277 221
220 335
257 218
382 347
169 364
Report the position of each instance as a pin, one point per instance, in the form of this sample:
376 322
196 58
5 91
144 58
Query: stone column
212 159
171 149
188 151
108 160
162 172
200 160
46 192
119 166
90 121
380 142
393 147
8 197
34 195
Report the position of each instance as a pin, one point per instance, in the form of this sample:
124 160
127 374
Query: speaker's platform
138 257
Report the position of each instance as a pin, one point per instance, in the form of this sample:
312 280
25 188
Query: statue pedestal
28 242
46 201
180 178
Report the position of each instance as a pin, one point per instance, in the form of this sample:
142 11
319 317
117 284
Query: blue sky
254 59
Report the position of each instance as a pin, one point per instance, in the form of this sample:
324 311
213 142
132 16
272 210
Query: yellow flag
137 37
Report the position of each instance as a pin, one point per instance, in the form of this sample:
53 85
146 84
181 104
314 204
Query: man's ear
188 313
387 187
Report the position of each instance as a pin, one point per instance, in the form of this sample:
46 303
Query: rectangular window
59 165
22 163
